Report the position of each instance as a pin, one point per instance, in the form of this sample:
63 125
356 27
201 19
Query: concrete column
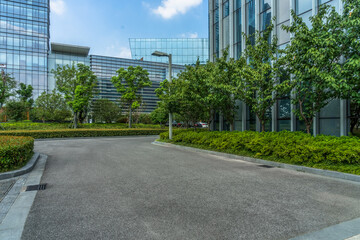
244 117
316 125
293 121
221 122
344 126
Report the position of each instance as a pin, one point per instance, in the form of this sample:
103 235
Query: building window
237 30
250 19
226 9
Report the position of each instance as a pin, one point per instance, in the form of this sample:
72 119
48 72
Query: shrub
15 151
105 110
69 133
291 147
16 110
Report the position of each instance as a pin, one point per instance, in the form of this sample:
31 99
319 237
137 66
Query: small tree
15 109
221 93
160 115
105 110
313 58
51 107
129 83
257 75
78 85
7 87
351 46
25 93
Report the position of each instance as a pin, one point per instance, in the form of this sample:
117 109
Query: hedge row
15 151
291 147
70 133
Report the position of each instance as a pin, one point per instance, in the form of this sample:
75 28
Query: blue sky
106 25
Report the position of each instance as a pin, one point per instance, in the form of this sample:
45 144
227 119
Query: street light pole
162 54
170 113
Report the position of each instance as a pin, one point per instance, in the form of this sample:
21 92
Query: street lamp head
160 54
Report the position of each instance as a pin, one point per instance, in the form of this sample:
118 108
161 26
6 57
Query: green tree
129 82
160 115
51 107
257 74
25 93
105 110
7 87
78 86
351 45
313 58
222 87
16 109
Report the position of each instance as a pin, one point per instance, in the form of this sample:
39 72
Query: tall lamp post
162 54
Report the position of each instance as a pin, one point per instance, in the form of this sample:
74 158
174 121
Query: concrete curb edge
26 169
326 173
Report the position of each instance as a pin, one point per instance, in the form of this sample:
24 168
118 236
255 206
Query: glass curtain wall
216 29
250 18
24 41
237 29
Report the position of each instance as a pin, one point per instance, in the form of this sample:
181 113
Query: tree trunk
75 120
130 117
308 128
262 125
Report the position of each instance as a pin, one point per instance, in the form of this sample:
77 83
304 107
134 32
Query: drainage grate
265 166
36 187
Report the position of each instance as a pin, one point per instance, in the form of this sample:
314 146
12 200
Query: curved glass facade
185 51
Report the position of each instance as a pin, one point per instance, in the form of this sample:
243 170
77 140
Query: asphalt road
127 188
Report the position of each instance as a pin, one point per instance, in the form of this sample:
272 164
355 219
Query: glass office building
228 19
24 41
105 68
65 54
185 51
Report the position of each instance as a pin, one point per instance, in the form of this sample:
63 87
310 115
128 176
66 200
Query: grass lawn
27 125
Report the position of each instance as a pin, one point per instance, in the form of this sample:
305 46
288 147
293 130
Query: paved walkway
127 188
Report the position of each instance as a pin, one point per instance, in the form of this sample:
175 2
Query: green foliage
144 118
105 110
78 86
257 75
351 67
25 93
28 125
16 110
7 87
129 82
70 133
289 147
313 58
160 115
15 152
51 107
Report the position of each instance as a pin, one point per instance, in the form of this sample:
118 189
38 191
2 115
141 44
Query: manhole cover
36 187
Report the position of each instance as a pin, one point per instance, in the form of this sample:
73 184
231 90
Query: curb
326 173
28 167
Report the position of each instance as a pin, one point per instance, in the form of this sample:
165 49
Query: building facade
185 51
24 41
105 68
228 19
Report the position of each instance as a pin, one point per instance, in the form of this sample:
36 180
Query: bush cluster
69 133
15 151
290 147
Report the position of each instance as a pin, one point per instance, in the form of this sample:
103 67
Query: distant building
105 68
185 51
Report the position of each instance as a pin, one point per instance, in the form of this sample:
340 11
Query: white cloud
171 8
58 6
124 52
189 35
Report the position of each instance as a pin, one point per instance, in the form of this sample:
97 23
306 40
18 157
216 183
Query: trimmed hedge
15 151
70 133
289 147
